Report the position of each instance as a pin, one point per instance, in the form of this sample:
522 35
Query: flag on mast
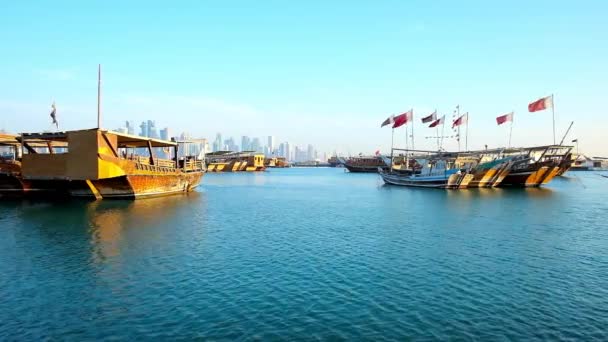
389 121
437 122
54 115
541 104
430 118
403 119
461 120
504 118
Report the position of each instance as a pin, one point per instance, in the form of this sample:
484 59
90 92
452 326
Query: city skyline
266 145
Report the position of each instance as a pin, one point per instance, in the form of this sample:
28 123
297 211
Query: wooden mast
99 96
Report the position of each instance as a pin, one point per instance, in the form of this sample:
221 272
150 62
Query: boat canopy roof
8 140
128 140
123 139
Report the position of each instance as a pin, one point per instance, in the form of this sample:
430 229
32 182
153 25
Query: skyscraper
130 127
218 144
288 151
144 129
255 145
164 134
152 133
245 143
270 145
310 153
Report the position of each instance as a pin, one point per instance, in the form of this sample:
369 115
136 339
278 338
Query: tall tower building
164 134
152 132
144 129
245 143
255 145
271 146
130 127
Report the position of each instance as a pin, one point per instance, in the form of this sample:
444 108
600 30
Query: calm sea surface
310 254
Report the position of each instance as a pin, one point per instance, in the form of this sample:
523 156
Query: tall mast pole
437 130
442 131
553 113
458 117
466 135
511 130
412 112
392 144
99 96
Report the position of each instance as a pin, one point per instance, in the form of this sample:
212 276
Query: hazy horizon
316 73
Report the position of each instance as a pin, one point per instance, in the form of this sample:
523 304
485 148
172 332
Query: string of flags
434 120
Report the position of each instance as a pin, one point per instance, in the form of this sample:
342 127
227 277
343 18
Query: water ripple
313 254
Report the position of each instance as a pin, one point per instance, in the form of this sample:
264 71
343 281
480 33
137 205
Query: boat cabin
96 154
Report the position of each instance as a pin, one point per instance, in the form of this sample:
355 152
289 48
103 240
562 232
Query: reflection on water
108 219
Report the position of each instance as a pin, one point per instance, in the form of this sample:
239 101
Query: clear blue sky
321 72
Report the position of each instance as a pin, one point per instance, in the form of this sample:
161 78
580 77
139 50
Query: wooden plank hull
366 169
14 186
142 185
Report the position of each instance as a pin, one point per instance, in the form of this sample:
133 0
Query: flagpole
392 144
510 131
553 113
412 111
99 97
442 130
466 135
458 117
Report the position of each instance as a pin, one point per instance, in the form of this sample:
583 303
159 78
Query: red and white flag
389 121
377 152
437 122
430 118
504 118
463 119
541 104
404 118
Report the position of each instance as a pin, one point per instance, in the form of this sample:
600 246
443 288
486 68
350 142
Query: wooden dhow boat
369 164
433 170
100 164
517 167
12 182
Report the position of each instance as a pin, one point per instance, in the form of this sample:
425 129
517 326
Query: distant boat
369 164
335 161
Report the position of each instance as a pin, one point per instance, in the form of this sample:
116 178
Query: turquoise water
310 254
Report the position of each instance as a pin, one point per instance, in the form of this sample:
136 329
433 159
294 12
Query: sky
320 72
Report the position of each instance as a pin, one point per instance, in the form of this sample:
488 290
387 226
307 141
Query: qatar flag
541 104
461 120
430 118
504 118
404 118
437 122
389 121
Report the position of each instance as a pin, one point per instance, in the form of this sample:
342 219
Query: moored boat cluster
514 167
